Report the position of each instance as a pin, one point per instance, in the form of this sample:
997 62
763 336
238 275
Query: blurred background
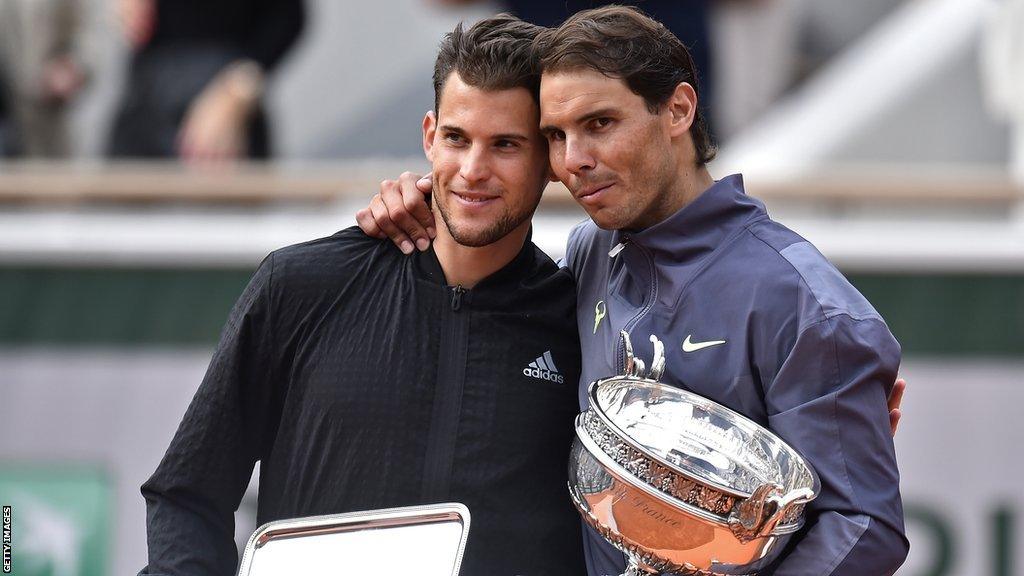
153 151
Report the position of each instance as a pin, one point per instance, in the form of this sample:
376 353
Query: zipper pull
618 248
457 293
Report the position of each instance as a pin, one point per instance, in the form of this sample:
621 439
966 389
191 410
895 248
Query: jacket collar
699 227
428 267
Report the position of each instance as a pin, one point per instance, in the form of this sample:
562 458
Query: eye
555 136
600 123
454 138
506 144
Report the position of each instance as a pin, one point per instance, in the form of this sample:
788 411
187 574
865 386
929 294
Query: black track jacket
360 381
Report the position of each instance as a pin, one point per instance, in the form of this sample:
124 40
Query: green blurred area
60 519
940 314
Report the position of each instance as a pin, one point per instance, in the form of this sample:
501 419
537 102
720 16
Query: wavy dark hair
493 54
623 42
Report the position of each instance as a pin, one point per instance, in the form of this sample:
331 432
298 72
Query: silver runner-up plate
682 484
422 540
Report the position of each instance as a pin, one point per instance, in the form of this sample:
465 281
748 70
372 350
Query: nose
578 158
474 166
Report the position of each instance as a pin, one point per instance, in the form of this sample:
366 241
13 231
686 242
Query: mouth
593 193
474 198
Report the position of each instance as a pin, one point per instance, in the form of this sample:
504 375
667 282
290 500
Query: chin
473 236
473 240
605 220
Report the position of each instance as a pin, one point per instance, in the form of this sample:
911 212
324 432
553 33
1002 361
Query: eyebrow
599 113
508 136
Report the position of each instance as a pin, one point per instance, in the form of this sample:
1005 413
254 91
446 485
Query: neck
692 182
689 183
466 266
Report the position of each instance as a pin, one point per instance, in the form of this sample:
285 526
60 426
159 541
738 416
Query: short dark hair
493 54
623 42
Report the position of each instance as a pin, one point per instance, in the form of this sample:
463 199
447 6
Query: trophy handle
635 367
757 516
658 362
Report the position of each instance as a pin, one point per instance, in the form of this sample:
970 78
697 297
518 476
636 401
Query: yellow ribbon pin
599 312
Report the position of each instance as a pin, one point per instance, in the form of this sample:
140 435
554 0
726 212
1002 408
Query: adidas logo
544 368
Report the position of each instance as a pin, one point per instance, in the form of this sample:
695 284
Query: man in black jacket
362 379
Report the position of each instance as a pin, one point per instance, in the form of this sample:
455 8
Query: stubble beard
491 233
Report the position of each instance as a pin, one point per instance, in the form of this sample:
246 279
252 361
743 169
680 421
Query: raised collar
699 227
429 268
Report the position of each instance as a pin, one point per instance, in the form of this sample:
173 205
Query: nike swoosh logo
694 346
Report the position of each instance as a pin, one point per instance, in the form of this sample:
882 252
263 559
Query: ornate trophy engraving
680 483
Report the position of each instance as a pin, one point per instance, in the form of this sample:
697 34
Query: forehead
564 95
477 110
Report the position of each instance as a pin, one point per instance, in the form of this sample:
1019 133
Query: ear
429 129
682 108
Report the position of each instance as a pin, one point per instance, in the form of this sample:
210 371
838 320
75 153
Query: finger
415 198
894 420
364 218
415 217
380 215
426 183
896 396
426 186
391 196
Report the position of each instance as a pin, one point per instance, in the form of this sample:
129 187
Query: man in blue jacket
752 315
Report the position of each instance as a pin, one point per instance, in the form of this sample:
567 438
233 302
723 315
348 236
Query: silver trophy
423 540
679 483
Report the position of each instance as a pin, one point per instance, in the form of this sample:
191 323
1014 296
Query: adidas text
544 375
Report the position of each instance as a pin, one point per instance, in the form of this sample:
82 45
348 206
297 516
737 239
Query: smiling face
490 163
616 157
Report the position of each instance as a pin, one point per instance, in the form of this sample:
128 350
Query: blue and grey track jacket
754 317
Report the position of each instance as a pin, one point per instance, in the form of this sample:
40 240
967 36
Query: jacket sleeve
828 400
192 496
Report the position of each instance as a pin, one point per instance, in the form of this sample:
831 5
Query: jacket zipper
652 294
457 293
447 405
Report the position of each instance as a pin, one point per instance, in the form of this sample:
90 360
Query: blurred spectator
43 53
196 79
756 58
763 48
4 128
1003 72
689 20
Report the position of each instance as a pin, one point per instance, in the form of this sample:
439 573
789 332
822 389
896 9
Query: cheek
635 142
445 166
634 153
515 174
557 164
522 177
556 151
